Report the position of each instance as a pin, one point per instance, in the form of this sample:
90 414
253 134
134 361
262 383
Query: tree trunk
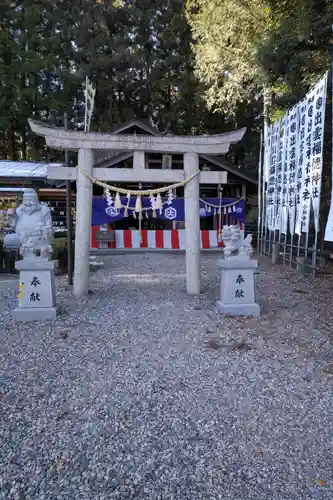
12 152
24 145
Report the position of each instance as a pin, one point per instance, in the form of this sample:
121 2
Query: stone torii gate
86 143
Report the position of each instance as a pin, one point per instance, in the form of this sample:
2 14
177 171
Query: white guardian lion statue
235 245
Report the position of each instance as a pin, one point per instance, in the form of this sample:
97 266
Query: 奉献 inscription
35 281
239 279
239 294
34 297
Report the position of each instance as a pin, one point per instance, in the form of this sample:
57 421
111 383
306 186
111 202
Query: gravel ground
141 392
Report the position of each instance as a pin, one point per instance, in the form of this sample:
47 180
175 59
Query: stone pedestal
36 298
237 287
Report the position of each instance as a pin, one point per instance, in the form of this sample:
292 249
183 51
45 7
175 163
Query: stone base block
238 310
34 313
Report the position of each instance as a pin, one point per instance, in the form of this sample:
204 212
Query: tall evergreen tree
227 36
243 46
297 51
137 53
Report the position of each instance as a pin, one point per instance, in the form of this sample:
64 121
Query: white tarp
25 169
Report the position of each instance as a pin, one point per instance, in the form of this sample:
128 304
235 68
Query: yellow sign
21 288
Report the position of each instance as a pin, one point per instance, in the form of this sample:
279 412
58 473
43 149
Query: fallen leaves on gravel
319 482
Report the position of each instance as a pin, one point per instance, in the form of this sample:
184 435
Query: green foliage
244 46
137 54
227 35
194 68
35 51
297 51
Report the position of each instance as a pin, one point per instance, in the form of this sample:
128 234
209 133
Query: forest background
194 67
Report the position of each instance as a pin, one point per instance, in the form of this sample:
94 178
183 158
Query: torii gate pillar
192 224
83 222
